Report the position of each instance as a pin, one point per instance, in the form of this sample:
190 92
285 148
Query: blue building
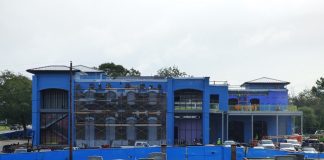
175 111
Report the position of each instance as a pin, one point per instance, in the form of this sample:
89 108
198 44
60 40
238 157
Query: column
205 112
277 124
89 131
152 130
252 128
227 126
35 112
131 130
222 126
170 113
301 124
110 130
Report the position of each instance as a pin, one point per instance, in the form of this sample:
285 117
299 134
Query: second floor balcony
260 108
194 106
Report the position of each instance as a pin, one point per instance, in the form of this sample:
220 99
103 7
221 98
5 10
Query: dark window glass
54 99
54 128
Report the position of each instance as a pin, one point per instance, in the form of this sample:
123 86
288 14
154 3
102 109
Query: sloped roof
52 68
62 68
265 80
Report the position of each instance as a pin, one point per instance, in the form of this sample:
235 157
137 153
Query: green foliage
311 102
318 89
115 70
305 98
15 98
133 72
171 72
310 120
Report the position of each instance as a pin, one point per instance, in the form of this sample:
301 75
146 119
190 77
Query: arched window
54 99
152 98
255 101
53 128
232 101
131 98
111 97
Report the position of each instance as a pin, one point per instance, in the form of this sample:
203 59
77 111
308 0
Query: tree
305 98
171 72
15 98
310 120
115 70
318 89
133 72
311 102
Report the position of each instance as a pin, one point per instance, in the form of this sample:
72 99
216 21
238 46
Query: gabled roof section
266 80
87 69
52 68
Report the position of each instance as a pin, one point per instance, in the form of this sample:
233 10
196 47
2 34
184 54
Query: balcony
194 106
187 106
260 108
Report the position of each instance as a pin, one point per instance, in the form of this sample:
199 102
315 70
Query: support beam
252 128
301 124
277 124
205 112
170 114
227 126
222 127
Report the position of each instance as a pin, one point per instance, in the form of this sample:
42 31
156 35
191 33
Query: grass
4 128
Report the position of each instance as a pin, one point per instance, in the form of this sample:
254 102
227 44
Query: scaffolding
119 116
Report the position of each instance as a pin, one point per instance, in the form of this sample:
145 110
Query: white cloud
227 40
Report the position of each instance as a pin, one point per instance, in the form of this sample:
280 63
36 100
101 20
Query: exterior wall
43 81
222 91
271 98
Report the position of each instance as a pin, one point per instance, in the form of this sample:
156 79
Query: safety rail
249 108
194 106
214 107
218 83
188 106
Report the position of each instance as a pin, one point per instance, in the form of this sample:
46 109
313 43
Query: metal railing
274 108
194 106
214 107
218 83
187 106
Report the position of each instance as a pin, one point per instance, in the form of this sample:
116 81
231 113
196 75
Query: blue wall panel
173 153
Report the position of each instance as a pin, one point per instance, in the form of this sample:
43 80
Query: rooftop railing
274 108
218 83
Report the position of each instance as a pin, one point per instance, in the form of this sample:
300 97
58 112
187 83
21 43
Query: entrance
259 129
236 131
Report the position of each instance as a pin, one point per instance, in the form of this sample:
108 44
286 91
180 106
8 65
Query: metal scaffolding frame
119 116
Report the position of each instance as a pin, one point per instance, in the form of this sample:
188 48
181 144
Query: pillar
110 130
131 130
89 131
152 130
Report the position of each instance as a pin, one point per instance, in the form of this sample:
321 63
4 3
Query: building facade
175 111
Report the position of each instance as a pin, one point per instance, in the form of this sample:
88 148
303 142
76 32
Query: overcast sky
233 40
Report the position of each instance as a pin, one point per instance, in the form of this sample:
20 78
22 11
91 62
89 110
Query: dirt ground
5 142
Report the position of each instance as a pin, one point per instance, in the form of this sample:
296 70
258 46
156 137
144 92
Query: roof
86 69
63 68
52 68
265 80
